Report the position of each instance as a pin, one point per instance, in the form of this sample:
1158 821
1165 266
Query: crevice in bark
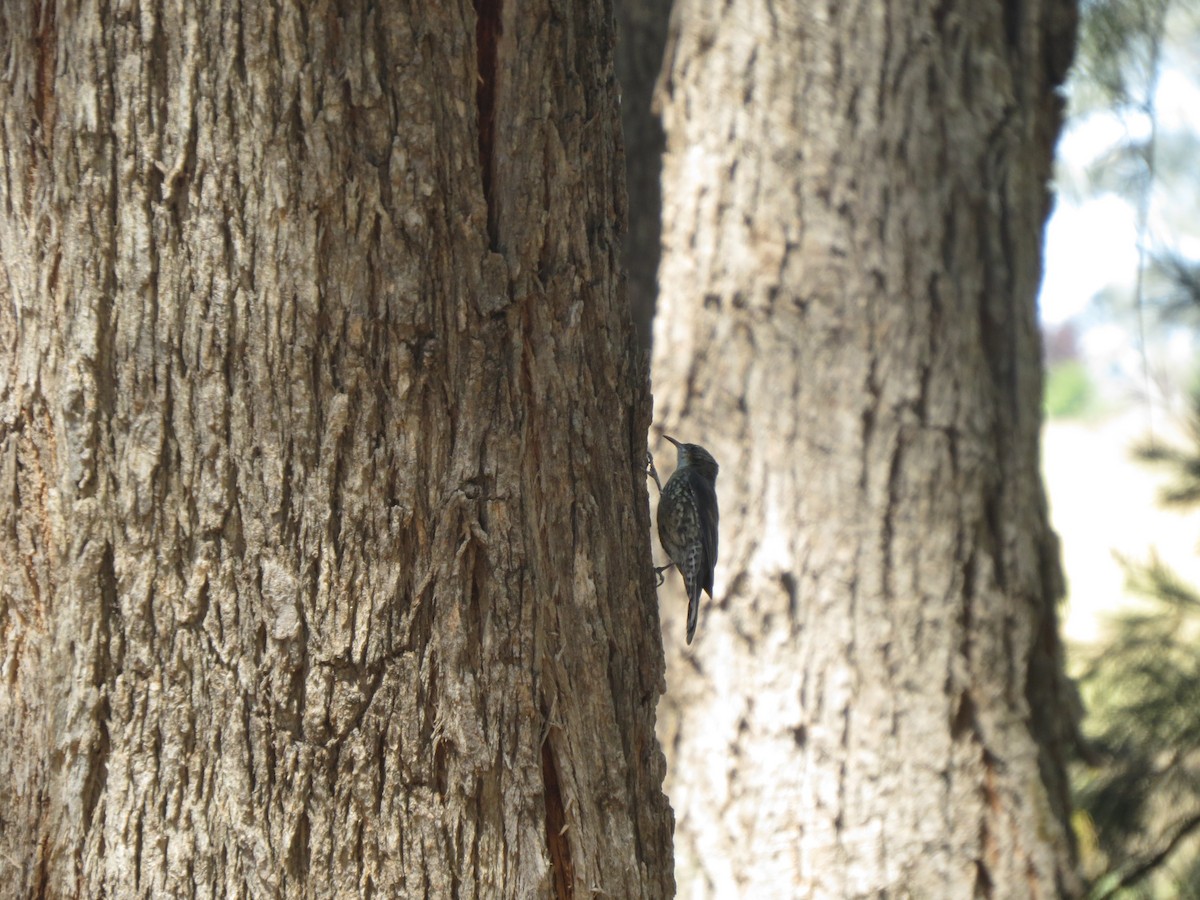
41 882
1013 13
44 106
988 859
983 881
138 837
964 717
791 588
97 768
557 844
298 849
937 328
487 36
895 505
441 766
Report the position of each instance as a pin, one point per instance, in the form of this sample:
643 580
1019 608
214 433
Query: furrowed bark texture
855 196
322 444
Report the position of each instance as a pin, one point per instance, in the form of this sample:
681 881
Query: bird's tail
693 608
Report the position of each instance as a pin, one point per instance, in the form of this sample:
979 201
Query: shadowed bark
641 40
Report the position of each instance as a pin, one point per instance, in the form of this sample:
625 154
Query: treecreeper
687 523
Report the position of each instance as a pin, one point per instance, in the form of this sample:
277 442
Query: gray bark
855 195
322 444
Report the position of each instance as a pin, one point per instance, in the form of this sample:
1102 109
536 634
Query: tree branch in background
1135 872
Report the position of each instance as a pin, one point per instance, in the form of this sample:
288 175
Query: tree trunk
874 704
322 435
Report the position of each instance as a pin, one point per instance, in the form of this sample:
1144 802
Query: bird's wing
706 496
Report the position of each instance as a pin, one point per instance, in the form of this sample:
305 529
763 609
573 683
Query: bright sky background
1088 247
1091 244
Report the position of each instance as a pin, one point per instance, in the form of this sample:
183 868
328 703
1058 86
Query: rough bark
322 444
855 196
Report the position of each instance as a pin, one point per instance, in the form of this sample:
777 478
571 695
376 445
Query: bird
687 523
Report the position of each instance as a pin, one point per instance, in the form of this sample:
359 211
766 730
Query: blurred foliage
1069 391
1138 796
1139 810
1118 56
1141 805
1180 299
1182 462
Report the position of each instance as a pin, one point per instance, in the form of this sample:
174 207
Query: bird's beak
671 439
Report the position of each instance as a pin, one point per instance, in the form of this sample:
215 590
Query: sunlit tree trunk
854 199
322 442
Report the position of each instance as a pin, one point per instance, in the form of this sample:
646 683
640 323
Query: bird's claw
659 576
653 473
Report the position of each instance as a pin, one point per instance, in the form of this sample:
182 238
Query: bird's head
696 457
